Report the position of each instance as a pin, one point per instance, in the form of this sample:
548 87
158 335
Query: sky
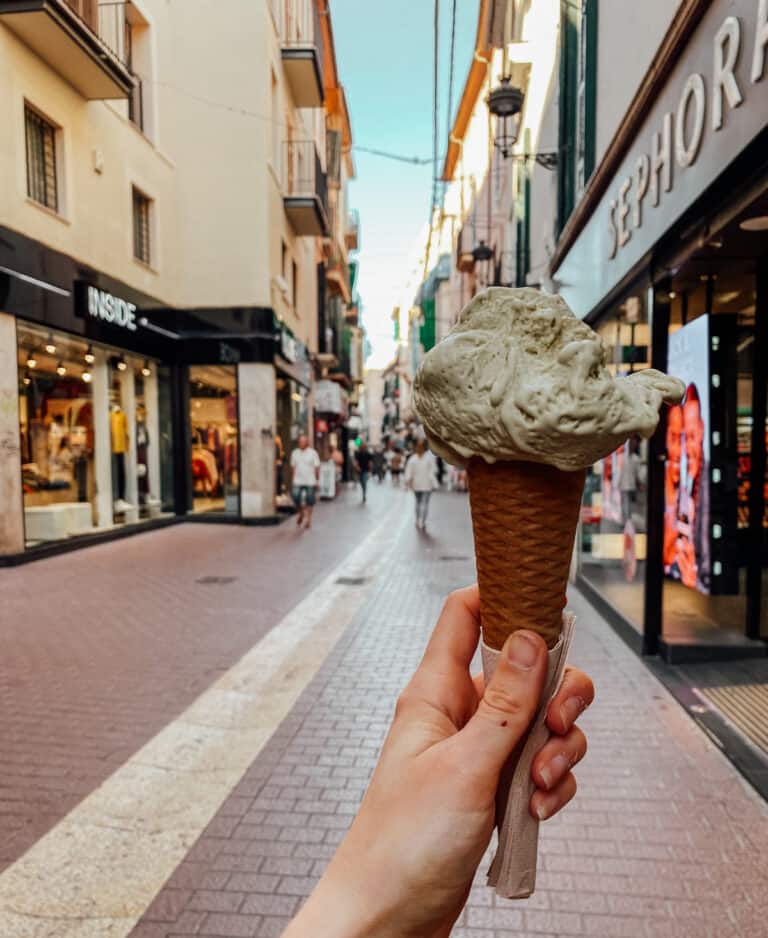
385 62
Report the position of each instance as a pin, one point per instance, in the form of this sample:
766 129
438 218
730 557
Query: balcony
337 276
83 40
301 49
305 194
352 234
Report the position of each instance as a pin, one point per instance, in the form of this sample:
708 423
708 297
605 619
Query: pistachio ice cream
521 378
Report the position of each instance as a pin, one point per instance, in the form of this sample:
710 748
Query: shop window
142 218
577 112
42 170
612 548
89 430
213 415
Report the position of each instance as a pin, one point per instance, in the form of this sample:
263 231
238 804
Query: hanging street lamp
506 103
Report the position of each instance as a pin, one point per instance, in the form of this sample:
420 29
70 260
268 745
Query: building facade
167 230
636 187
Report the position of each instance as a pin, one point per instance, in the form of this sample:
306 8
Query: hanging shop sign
105 306
330 398
700 509
712 107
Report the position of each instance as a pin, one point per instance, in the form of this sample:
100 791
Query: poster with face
686 485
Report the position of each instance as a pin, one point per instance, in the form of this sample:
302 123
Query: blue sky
385 63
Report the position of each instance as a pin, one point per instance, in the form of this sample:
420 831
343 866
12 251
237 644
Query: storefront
118 413
670 266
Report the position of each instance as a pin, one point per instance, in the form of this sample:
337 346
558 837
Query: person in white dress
421 476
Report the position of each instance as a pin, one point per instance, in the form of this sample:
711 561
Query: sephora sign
713 105
701 108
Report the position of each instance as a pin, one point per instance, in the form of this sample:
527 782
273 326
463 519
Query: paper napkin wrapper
513 870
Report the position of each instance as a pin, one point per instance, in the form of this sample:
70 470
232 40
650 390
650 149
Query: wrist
348 902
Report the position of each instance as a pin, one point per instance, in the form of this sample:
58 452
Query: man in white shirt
421 476
305 473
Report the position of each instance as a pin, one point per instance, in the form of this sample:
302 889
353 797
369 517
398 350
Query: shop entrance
214 438
716 523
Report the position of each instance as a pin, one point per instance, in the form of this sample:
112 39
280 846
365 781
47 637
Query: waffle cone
524 518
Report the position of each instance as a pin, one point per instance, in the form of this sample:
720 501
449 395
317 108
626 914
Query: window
42 185
295 285
578 88
142 207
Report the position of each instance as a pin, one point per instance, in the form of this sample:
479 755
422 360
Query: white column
152 404
11 496
102 446
128 403
256 403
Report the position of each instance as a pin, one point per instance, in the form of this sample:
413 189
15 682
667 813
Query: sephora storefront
667 259
117 413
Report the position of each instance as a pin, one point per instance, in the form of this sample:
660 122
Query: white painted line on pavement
96 872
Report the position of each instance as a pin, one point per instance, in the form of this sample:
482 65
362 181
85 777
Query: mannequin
142 459
118 425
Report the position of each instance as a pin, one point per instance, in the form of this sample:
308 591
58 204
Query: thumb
508 704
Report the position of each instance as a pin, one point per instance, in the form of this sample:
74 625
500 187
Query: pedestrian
406 865
421 476
363 465
305 468
396 466
378 464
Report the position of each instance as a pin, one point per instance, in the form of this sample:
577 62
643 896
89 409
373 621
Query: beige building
174 227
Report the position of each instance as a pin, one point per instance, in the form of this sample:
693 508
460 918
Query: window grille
41 160
141 226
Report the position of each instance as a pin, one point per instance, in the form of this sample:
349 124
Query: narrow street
190 718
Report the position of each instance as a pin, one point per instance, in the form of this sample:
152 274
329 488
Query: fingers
557 757
575 695
508 704
546 803
456 634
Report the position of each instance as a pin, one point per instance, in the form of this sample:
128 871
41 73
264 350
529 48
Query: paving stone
663 840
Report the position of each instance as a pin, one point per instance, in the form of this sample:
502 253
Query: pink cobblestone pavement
663 839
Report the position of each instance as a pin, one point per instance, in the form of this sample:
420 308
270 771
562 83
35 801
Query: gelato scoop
521 378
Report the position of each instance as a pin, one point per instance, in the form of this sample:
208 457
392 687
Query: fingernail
570 710
552 771
541 811
522 652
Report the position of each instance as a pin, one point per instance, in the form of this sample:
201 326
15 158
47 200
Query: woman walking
421 476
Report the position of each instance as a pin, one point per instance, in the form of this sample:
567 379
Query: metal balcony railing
108 20
304 176
302 48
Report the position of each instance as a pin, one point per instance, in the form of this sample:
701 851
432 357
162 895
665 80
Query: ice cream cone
524 518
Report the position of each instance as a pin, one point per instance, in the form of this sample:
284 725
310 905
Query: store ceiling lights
121 364
50 345
89 357
756 223
146 370
31 360
27 378
61 369
86 376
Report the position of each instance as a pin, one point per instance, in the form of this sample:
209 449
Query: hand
407 863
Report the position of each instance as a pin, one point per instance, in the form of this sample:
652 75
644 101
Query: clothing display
118 424
118 466
214 458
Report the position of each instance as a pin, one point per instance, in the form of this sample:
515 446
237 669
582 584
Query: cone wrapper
513 870
524 518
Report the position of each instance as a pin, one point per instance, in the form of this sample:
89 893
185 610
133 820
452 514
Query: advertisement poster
686 484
